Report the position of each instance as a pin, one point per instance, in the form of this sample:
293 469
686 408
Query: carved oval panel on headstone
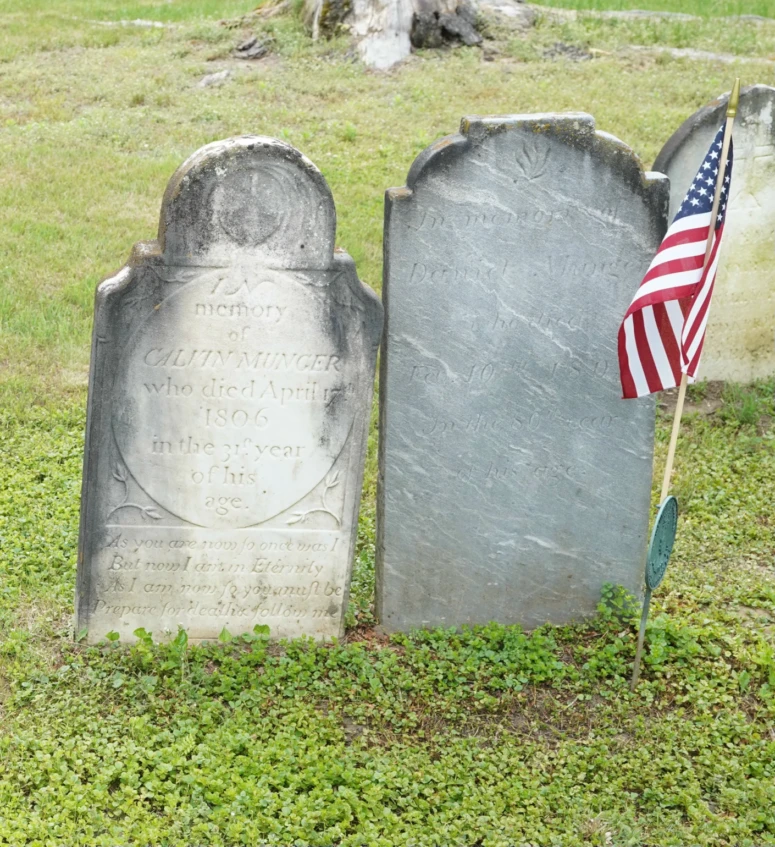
223 431
229 401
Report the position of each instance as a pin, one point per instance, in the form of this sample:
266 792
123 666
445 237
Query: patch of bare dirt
706 405
368 635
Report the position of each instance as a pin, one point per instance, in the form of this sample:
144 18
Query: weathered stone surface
740 340
514 481
432 29
515 12
386 30
230 390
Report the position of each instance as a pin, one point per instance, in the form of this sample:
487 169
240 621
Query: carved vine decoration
121 476
331 482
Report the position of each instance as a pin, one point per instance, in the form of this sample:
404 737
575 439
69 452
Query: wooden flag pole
679 408
734 99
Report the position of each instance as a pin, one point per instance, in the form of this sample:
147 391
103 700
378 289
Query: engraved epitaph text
229 401
514 481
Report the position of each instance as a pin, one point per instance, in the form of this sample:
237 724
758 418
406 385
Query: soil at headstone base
707 405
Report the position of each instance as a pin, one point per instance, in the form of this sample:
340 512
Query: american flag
663 331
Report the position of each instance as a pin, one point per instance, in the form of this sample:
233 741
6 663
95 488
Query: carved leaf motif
120 475
331 481
531 162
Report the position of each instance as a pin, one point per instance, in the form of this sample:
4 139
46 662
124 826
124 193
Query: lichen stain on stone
483 127
441 145
541 128
332 16
143 252
758 341
759 255
496 129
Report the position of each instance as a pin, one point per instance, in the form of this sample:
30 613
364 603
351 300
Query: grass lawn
488 737
705 8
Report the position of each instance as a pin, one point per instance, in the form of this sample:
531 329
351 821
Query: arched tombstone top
511 255
250 198
739 341
752 100
544 137
679 157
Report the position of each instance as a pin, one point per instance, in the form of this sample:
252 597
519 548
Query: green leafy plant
486 735
741 405
617 605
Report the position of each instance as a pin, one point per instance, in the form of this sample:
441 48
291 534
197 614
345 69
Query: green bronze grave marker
660 548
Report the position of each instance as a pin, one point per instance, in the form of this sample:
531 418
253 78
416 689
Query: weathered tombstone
514 481
232 371
740 340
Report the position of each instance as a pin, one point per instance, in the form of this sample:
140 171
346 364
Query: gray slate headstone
740 340
514 481
231 382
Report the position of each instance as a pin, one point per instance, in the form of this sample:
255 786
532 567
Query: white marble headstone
514 481
740 340
231 381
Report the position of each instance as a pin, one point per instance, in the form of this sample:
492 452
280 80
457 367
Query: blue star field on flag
699 198
663 331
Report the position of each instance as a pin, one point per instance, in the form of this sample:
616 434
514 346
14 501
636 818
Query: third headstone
740 340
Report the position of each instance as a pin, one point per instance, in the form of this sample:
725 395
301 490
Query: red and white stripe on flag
663 331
